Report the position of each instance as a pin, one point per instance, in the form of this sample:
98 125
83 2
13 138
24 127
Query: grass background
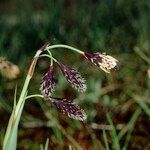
116 27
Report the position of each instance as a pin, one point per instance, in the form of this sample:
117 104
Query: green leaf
143 105
113 134
105 140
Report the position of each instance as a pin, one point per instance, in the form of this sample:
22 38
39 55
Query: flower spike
48 83
105 62
73 77
69 108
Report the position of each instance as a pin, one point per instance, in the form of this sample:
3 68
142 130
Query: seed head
48 83
105 62
69 108
73 77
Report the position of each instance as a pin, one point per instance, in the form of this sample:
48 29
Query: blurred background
118 27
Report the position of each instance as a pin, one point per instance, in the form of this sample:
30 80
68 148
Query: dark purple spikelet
48 83
105 62
93 57
69 108
73 77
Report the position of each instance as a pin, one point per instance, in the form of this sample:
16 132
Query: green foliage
105 140
114 136
46 145
112 26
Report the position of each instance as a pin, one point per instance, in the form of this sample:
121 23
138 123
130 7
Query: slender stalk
65 46
27 81
51 57
131 126
10 139
36 95
113 134
105 140
22 96
46 55
142 55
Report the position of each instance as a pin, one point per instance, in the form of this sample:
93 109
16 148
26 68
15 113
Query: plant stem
35 95
131 126
65 46
10 139
105 140
27 81
23 93
46 55
113 134
51 58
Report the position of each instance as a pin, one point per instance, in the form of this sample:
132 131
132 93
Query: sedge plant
47 87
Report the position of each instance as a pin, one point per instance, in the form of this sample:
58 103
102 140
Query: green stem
65 46
51 58
105 140
10 139
26 84
35 95
45 55
23 93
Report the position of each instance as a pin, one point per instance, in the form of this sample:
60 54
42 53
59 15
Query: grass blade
105 140
131 127
113 134
10 140
46 144
130 123
142 104
9 128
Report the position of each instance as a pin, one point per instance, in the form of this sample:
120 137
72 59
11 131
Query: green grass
120 28
46 145
105 140
114 136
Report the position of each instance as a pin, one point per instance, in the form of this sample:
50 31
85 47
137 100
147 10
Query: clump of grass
45 147
105 62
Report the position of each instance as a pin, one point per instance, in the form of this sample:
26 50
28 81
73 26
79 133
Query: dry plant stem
96 144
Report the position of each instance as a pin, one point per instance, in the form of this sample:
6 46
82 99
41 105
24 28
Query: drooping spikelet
48 83
69 108
8 69
73 77
105 62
